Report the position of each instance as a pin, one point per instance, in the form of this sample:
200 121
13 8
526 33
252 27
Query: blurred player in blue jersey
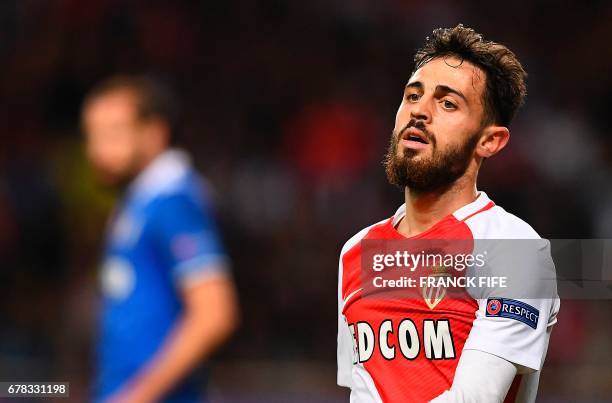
168 298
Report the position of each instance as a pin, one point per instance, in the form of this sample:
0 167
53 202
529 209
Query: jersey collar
162 173
462 213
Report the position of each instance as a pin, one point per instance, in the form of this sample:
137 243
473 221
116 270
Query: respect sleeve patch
513 309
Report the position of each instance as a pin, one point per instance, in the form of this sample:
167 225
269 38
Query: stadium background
287 109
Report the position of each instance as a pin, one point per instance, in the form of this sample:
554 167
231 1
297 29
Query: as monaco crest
433 295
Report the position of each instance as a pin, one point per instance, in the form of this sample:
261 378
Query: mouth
414 134
414 138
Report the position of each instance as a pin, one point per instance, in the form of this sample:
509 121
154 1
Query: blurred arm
210 316
480 378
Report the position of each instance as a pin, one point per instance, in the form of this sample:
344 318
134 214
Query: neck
148 157
139 165
424 209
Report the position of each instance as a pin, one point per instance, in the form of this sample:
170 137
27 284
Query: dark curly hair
505 77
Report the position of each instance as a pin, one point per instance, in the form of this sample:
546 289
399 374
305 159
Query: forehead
112 105
452 72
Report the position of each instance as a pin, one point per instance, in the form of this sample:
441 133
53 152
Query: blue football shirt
160 237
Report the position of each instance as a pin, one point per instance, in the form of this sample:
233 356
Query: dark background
287 109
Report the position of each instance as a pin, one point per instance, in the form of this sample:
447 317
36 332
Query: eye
412 97
449 105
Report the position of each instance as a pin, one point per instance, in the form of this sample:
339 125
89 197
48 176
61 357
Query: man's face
437 125
114 137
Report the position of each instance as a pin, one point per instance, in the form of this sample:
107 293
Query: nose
420 111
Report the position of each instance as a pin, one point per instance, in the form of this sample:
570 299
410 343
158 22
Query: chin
109 178
409 154
403 150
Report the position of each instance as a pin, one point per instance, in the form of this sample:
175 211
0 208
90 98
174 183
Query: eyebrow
439 88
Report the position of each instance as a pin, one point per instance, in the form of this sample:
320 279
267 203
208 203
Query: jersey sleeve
186 239
515 322
473 367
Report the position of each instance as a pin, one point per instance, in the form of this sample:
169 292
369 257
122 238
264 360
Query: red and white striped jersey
407 349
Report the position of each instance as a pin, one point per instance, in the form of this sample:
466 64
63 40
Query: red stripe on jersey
485 208
418 378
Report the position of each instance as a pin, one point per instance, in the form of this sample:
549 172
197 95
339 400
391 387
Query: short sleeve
186 239
515 322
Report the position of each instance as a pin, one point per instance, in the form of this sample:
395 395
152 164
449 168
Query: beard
436 172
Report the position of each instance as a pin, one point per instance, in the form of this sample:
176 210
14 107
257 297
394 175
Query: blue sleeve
186 238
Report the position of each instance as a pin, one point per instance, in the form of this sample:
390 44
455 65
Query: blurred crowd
287 108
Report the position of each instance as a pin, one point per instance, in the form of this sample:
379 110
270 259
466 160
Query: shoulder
178 208
382 229
355 239
515 251
169 177
189 191
497 223
348 265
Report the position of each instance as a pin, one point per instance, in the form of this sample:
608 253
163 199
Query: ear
492 141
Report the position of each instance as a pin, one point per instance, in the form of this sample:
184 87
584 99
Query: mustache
418 124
